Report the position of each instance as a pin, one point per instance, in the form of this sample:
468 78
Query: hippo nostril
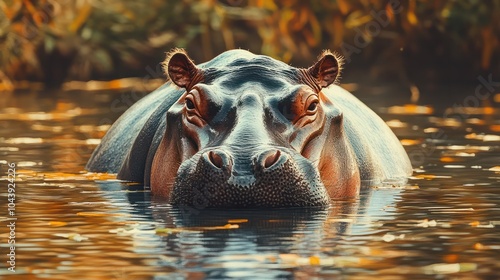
271 159
216 159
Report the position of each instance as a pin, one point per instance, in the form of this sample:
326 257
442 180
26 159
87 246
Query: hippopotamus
248 131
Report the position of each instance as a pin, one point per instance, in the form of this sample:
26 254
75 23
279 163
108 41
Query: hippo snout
271 178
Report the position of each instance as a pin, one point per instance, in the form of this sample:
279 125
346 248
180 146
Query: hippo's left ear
327 69
181 69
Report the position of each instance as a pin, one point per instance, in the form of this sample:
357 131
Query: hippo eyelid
311 104
189 104
191 100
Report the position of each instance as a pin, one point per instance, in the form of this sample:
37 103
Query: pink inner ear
181 69
179 75
328 70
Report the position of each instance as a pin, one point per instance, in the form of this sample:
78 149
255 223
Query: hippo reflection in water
245 130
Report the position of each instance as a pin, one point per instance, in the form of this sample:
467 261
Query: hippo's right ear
181 69
327 69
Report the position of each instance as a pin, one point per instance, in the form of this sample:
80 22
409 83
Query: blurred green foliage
58 40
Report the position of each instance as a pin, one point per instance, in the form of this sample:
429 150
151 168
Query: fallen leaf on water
462 154
99 176
50 128
451 156
23 140
475 121
410 109
58 176
447 159
57 224
450 258
449 122
426 223
495 169
483 137
72 236
495 128
454 166
396 124
314 260
431 130
479 246
447 268
347 220
410 142
391 237
129 231
100 214
430 176
237 221
479 225
342 261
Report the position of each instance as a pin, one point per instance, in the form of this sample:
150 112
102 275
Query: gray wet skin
248 131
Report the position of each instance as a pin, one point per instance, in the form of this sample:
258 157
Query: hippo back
136 128
379 153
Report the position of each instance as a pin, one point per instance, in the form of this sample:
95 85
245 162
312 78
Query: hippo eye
313 106
189 104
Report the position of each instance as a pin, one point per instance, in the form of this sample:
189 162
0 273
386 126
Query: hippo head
251 131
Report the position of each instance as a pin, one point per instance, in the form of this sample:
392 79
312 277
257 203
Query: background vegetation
53 41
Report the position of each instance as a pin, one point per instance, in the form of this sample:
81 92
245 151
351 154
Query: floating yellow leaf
447 268
57 224
314 260
426 223
479 225
24 140
430 176
475 121
100 214
483 137
479 246
410 142
237 221
454 166
447 159
388 237
450 258
411 109
431 130
72 236
396 124
451 122
99 176
495 169
495 128
491 137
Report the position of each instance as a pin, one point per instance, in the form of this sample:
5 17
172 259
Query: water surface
443 224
